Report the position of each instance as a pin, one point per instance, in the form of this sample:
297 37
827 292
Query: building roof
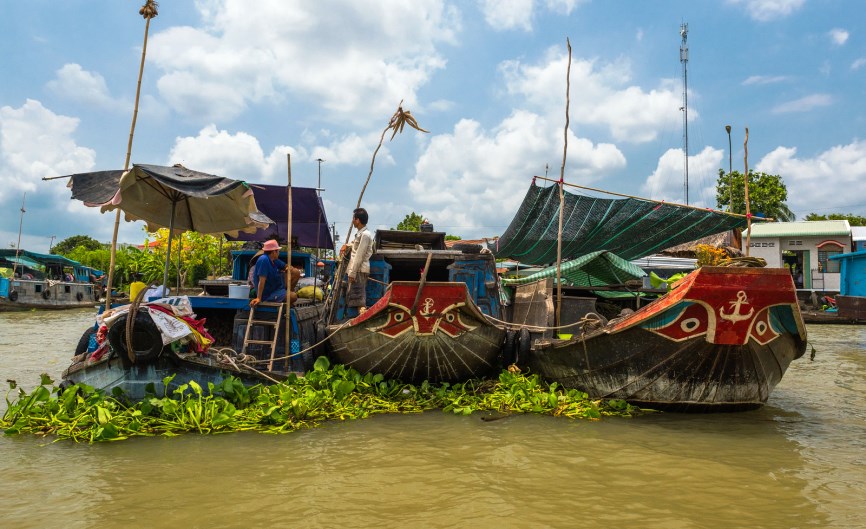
809 228
858 233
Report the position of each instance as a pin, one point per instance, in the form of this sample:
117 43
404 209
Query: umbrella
175 197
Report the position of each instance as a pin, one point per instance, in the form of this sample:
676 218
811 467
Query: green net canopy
629 227
596 269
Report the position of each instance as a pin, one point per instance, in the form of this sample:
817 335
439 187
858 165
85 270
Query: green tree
412 222
767 194
70 243
854 220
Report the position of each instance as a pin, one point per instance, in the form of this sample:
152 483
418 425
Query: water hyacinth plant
84 414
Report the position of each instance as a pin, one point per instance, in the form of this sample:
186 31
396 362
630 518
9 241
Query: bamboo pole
288 348
421 283
561 191
20 227
746 183
148 11
396 124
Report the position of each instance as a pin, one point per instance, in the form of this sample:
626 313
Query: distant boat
720 340
428 312
30 280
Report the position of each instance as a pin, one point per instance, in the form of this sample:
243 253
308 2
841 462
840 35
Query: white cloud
384 53
838 36
804 104
821 183
519 14
666 181
768 10
765 79
600 95
471 180
856 65
74 83
238 156
34 143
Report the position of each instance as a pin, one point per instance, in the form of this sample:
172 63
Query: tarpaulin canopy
630 227
174 197
596 269
309 222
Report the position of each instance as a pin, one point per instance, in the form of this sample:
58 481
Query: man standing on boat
268 276
359 265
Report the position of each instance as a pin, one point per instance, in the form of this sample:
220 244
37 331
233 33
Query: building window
828 265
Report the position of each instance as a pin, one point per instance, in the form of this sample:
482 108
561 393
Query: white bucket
239 291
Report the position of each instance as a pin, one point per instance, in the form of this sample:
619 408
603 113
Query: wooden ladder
275 324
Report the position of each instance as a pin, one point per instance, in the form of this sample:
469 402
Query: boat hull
445 339
110 372
720 341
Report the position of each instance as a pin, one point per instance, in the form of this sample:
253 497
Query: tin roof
858 233
809 228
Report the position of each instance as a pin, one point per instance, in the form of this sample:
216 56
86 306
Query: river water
798 462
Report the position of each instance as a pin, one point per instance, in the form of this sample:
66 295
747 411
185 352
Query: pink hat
270 246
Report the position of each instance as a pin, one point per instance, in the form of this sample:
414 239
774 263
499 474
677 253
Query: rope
130 323
299 353
586 321
227 355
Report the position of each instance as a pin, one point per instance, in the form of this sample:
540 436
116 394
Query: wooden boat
428 312
44 281
224 309
721 340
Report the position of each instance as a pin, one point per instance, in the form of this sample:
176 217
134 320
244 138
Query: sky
231 87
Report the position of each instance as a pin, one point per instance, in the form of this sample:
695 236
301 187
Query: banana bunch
148 10
400 119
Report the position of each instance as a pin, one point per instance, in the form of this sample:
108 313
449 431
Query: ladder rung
265 322
269 304
263 342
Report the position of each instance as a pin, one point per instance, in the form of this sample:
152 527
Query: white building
804 248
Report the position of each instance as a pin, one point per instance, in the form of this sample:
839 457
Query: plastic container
239 291
564 336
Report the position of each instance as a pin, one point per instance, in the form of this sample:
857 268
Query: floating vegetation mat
84 414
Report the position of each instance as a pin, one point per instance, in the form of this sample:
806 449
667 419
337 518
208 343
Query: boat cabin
402 255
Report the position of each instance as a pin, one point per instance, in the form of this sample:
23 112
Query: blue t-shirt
273 278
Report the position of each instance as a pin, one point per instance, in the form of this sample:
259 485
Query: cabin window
828 265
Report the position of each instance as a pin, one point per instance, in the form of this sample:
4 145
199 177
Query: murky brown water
798 462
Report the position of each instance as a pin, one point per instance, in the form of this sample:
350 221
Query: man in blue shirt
268 276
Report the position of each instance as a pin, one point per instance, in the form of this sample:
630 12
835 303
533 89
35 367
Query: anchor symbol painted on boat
736 315
427 308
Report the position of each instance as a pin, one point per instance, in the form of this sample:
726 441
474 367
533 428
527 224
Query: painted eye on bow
689 323
450 317
398 317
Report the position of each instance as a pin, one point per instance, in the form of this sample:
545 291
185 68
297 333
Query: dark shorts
357 296
278 295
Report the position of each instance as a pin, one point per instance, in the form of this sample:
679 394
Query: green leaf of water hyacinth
84 414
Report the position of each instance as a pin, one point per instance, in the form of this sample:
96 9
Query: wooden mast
148 11
289 267
746 182
562 192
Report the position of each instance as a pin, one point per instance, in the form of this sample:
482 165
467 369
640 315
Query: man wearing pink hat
268 276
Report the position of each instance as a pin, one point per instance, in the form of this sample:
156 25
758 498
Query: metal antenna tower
684 59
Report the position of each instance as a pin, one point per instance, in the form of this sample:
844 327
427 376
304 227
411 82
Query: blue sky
231 86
